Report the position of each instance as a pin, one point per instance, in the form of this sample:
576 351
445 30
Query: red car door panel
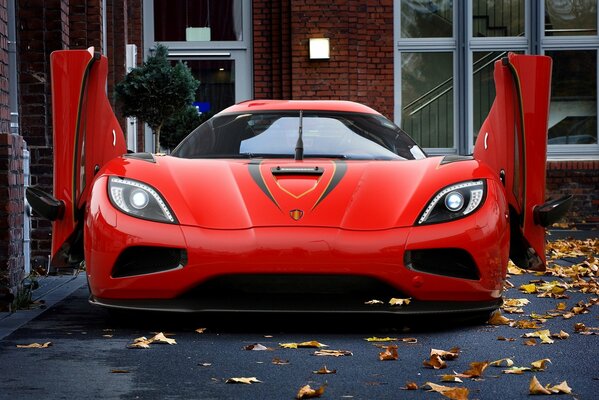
85 137
513 141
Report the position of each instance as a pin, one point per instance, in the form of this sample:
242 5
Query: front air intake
142 260
456 263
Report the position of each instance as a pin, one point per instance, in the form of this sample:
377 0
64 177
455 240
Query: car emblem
296 214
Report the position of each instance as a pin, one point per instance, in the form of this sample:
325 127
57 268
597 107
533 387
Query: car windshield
275 134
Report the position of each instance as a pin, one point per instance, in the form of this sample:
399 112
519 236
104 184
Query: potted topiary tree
156 91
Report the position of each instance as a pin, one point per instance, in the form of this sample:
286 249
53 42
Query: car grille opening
455 263
290 292
141 260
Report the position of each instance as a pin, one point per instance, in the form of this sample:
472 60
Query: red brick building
425 65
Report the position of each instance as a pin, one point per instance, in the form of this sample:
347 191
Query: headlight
139 200
454 202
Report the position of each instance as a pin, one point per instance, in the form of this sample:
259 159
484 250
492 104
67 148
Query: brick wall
42 28
11 213
85 24
360 67
11 181
580 179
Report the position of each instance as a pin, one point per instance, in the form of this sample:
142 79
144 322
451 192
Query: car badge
296 214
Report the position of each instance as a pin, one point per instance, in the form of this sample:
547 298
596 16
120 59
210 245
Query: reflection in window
573 109
426 18
427 98
570 17
197 20
483 90
217 85
497 18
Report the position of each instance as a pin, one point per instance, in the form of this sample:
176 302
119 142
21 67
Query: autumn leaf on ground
455 393
561 335
389 354
504 362
513 269
452 354
514 306
498 319
333 353
245 381
524 324
410 386
144 343
325 371
201 330
529 288
306 392
561 388
381 339
544 335
476 370
312 344
374 301
530 342
35 345
120 371
504 339
435 362
535 387
257 347
451 378
516 370
160 338
278 361
140 343
540 365
400 302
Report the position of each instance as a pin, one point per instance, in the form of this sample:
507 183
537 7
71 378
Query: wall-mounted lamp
319 48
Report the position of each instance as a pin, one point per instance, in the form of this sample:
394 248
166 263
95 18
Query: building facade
427 65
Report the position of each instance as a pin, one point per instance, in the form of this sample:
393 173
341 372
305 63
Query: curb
52 290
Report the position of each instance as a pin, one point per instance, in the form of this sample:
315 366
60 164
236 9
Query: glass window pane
570 17
426 18
427 98
499 18
197 20
573 109
217 85
483 85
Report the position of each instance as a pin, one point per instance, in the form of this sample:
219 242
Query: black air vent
141 260
456 263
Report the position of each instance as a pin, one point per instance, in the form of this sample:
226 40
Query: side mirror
44 204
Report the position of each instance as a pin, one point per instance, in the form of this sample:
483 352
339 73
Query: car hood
347 194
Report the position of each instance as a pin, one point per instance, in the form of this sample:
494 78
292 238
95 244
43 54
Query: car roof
291 105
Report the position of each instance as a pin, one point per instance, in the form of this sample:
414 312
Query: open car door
513 142
86 135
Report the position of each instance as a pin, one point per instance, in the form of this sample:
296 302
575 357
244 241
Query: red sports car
290 206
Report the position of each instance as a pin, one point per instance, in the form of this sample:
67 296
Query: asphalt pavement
89 355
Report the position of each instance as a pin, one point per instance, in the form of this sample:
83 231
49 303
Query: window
445 58
197 21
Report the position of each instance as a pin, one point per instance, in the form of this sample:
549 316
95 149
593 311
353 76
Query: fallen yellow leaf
245 381
34 345
535 387
498 319
455 393
310 344
325 371
306 392
381 339
389 354
435 362
504 362
400 302
333 353
540 365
